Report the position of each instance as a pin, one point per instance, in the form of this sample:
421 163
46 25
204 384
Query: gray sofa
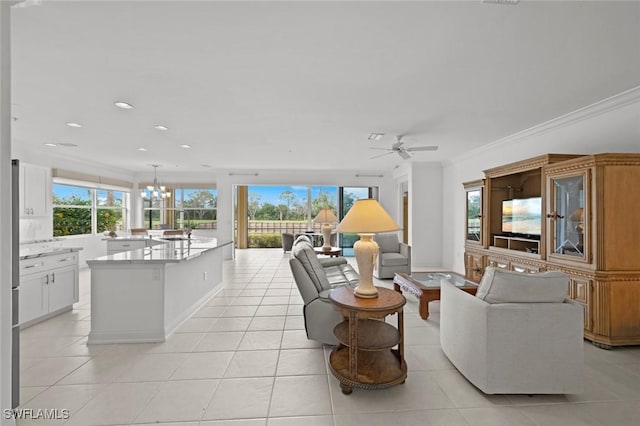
315 278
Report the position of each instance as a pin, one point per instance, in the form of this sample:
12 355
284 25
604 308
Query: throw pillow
500 286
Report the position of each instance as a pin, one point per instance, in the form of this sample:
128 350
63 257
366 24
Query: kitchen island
142 295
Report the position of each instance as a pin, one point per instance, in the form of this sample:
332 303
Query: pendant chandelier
155 191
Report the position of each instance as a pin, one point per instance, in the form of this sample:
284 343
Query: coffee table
332 252
426 286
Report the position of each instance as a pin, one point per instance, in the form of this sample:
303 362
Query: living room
581 97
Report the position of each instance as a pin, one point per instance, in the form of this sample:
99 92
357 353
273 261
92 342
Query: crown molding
603 106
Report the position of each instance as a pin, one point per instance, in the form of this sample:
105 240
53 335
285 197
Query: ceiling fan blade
404 154
381 149
422 148
380 155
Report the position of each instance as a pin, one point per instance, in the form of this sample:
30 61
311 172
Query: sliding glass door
347 195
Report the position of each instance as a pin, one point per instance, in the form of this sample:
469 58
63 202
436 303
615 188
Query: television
522 216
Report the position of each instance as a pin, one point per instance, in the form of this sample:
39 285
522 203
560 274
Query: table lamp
326 218
366 218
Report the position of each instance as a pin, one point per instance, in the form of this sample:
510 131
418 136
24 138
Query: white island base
144 300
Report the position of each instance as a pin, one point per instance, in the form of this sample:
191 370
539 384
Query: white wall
425 214
612 125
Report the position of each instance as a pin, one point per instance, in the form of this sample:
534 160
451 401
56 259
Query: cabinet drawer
31 266
60 260
502 264
525 269
118 246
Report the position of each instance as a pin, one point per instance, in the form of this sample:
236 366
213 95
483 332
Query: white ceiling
300 85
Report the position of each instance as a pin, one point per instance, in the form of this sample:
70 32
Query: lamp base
326 236
366 251
365 295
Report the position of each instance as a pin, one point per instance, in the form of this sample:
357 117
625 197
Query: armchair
393 256
518 335
315 278
287 241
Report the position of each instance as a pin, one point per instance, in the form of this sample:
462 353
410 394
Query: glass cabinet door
567 216
474 215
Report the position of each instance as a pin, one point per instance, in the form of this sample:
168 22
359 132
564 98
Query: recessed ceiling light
142 149
375 136
206 165
123 105
161 127
185 146
67 144
50 144
73 124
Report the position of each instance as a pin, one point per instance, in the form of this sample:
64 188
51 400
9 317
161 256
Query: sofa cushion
500 286
392 259
341 275
388 243
305 254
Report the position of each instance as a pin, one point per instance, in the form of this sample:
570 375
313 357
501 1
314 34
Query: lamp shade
325 216
367 216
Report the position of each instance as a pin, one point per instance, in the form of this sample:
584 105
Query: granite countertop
167 252
32 253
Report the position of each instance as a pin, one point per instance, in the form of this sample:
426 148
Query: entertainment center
572 213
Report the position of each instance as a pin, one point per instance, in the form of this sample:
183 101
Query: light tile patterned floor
243 359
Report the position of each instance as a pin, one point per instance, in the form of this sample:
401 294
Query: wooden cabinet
586 231
48 286
33 188
365 357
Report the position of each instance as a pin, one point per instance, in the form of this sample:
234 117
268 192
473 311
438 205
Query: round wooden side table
365 356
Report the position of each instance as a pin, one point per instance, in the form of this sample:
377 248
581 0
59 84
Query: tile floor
244 360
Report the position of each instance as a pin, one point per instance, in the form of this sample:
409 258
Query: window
79 210
186 208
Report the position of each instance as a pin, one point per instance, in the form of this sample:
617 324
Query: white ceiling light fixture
155 192
375 136
161 127
123 105
73 124
185 146
50 144
142 149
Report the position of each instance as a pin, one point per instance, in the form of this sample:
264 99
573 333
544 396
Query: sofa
393 256
315 277
519 334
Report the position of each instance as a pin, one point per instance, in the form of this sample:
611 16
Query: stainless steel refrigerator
15 282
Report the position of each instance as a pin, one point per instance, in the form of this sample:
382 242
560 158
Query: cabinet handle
63 260
46 280
30 266
53 277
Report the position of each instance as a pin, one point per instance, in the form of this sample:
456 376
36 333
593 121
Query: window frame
94 207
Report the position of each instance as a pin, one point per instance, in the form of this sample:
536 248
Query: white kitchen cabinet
48 286
34 183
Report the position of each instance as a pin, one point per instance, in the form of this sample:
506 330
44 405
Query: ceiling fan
398 148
